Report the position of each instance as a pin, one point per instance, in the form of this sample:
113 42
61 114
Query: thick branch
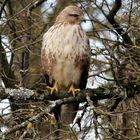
114 11
26 94
3 6
111 18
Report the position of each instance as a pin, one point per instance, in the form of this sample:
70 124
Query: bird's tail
68 112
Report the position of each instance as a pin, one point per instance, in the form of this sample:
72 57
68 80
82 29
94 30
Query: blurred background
113 28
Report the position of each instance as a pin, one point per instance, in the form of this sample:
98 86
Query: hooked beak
82 19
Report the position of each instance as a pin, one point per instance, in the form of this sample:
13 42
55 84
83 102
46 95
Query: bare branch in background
3 6
110 110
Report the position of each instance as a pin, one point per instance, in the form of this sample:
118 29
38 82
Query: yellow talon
54 88
73 90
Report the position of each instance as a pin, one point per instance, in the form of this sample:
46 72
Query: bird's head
71 14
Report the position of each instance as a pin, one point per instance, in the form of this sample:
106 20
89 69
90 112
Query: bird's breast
67 45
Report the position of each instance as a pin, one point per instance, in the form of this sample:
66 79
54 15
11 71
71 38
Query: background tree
113 30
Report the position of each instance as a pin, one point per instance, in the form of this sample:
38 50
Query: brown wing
85 70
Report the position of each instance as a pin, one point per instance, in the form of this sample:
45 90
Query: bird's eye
74 15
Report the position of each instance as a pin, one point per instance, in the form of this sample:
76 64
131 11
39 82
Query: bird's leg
73 90
54 88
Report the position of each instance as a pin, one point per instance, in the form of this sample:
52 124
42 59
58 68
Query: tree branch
26 52
3 6
111 18
41 95
62 98
24 124
36 4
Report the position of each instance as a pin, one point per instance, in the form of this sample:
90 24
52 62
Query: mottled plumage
65 50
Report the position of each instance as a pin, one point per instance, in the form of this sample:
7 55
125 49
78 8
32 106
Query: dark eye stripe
74 15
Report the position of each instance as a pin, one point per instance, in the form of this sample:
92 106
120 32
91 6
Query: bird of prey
65 57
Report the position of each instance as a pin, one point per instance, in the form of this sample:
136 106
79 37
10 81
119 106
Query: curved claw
73 90
54 88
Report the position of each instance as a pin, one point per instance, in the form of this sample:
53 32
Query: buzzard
65 57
